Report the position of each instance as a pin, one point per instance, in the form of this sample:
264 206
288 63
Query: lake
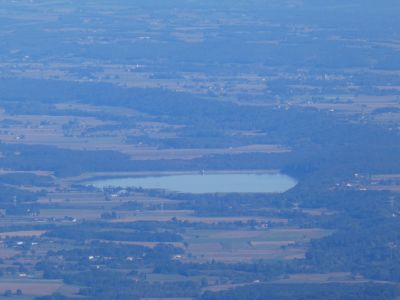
206 183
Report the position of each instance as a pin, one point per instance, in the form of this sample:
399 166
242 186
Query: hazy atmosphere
199 150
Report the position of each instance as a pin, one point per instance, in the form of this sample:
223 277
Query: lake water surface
206 183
